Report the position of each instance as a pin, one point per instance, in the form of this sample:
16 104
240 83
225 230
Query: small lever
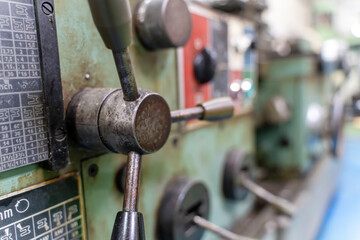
113 21
224 233
129 223
212 110
280 203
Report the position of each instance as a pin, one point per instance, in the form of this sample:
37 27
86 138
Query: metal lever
113 21
282 204
126 75
212 110
129 223
221 232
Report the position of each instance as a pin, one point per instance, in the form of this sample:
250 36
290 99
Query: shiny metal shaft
187 114
280 203
126 75
132 183
224 233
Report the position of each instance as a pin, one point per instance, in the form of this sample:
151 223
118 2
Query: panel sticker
51 211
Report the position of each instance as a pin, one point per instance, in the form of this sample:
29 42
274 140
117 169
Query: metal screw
60 135
47 8
175 142
87 76
93 170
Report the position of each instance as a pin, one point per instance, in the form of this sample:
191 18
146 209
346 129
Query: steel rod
132 183
126 75
187 114
222 232
280 203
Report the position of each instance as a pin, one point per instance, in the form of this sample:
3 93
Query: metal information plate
23 132
50 211
24 109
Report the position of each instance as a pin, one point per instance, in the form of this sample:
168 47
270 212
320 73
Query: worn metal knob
100 119
163 23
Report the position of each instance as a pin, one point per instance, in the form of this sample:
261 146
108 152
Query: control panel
91 92
218 60
46 78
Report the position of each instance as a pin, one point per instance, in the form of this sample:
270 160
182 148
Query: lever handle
113 20
129 223
212 110
220 231
280 203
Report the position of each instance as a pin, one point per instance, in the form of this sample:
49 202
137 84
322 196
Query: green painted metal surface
203 161
294 79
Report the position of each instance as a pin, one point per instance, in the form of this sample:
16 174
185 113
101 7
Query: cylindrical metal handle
132 182
217 109
212 110
113 20
129 223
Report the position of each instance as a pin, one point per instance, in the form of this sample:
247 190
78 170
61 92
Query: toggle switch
163 24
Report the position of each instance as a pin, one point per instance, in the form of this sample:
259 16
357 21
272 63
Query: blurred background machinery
236 133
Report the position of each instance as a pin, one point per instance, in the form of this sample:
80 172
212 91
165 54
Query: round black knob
163 23
205 65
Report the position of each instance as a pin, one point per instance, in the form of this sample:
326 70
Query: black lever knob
205 65
128 226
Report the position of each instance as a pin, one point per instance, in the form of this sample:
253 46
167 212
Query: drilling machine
74 142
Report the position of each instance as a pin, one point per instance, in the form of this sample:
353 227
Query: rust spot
152 123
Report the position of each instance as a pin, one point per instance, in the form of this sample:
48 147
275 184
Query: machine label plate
23 127
49 211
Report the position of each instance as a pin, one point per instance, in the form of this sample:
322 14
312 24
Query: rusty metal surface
132 182
82 117
126 75
101 120
143 128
